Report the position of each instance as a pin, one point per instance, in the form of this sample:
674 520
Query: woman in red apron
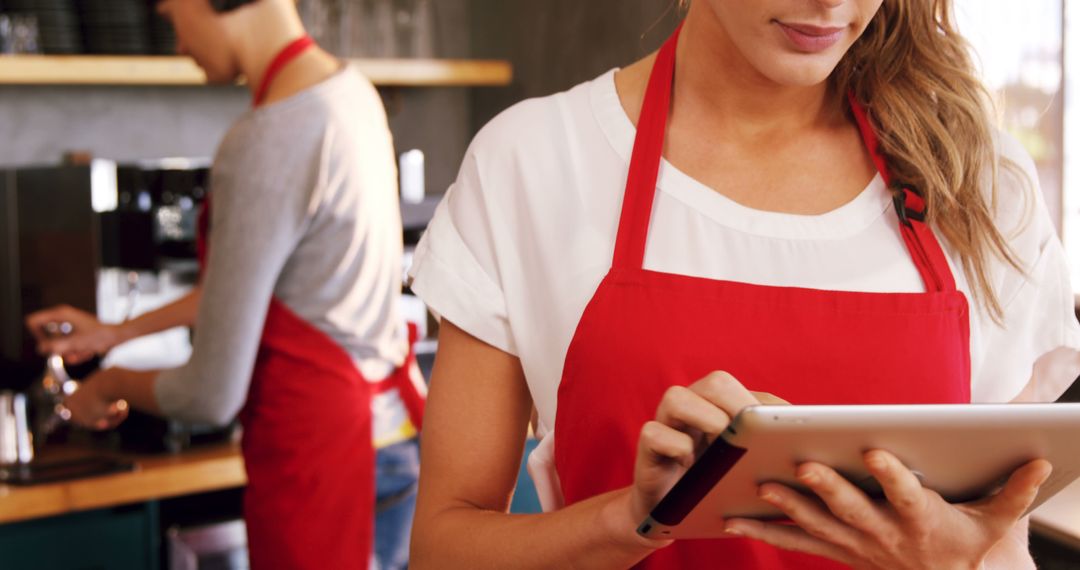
640 385
307 412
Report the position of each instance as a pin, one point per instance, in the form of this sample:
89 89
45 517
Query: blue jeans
397 470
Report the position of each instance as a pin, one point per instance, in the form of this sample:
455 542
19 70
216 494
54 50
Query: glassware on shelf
389 29
19 34
6 35
414 28
324 21
373 28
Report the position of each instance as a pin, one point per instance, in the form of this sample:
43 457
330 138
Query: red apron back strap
409 382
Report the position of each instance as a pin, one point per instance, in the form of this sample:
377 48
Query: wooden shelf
160 70
436 72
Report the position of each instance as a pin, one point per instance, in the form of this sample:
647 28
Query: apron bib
644 331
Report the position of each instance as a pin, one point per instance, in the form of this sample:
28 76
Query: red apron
307 440
644 331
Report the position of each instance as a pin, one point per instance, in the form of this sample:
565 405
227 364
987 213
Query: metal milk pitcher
16 438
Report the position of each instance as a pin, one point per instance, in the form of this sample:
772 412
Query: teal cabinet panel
124 538
525 500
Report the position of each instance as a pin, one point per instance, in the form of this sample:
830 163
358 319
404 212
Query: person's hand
914 529
88 337
687 420
92 408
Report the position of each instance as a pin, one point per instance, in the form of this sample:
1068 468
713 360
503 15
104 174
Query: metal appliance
111 239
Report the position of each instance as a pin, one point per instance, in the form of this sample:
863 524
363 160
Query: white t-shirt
526 233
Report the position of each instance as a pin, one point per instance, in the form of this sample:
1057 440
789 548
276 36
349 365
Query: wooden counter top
210 468
220 467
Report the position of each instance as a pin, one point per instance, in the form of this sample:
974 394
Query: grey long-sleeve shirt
305 208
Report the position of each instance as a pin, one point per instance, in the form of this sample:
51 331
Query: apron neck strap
648 151
645 162
910 208
290 52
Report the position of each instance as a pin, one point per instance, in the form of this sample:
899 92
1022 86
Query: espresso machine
115 240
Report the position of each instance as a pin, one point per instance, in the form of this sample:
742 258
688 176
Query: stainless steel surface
59 329
49 395
55 375
16 439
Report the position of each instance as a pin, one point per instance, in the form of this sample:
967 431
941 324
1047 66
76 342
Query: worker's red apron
307 440
644 331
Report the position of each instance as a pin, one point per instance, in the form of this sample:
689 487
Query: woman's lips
810 39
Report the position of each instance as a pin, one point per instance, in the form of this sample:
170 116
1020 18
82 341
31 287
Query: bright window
1020 50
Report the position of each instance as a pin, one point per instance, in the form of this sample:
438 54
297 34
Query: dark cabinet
123 538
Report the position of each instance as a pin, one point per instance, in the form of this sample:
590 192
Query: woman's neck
260 31
762 144
723 90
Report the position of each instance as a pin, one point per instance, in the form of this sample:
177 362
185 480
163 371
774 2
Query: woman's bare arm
474 432
90 336
179 313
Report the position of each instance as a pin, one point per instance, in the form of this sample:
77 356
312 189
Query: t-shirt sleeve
1032 354
455 269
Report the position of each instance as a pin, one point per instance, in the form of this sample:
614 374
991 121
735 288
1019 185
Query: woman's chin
799 70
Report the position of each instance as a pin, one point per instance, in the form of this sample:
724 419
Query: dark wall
437 120
556 44
10 327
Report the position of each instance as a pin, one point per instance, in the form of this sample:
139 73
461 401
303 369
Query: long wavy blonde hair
934 118
914 74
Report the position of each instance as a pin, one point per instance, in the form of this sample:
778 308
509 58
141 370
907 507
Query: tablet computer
963 452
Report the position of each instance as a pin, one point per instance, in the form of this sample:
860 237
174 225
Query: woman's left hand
91 408
915 529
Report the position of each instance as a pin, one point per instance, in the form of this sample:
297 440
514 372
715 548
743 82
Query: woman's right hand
687 420
88 336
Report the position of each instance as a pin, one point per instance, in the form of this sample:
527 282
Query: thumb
1019 491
